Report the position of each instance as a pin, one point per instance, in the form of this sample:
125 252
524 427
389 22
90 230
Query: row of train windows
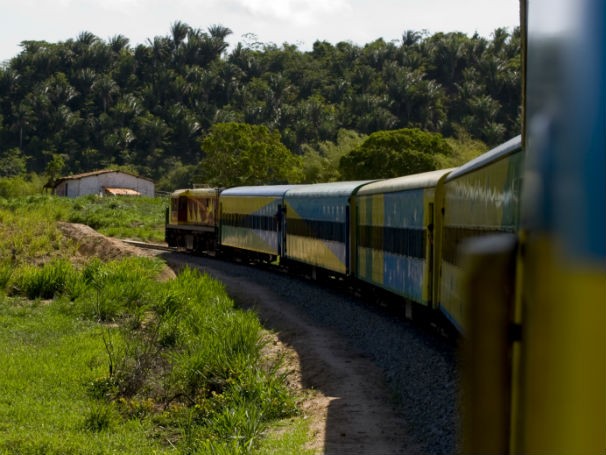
400 241
453 236
261 222
325 230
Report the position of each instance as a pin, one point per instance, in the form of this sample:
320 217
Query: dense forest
85 103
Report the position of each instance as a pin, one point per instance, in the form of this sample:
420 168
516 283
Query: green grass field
102 358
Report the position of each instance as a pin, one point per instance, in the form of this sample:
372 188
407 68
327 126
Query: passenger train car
479 198
395 222
535 362
318 227
252 221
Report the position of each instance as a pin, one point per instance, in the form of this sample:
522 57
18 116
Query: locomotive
510 247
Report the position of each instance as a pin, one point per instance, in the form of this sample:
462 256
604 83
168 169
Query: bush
18 186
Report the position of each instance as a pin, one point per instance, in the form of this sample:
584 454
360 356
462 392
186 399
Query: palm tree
410 37
105 88
218 33
179 31
118 43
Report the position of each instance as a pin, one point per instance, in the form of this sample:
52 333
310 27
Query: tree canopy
243 154
394 153
107 103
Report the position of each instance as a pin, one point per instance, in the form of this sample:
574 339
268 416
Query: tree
387 154
321 163
244 154
12 163
53 169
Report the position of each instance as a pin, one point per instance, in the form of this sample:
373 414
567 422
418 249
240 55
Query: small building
104 182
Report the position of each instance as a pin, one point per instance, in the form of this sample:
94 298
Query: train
509 248
398 237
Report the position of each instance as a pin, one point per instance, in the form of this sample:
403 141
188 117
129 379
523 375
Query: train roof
327 189
407 182
265 190
195 192
489 157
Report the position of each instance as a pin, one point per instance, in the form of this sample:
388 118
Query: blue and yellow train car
394 223
552 365
317 225
559 395
251 218
192 219
480 198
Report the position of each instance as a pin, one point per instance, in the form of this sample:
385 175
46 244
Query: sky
299 22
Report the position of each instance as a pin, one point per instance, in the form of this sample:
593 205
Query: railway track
149 246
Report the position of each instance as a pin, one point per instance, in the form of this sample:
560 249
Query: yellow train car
535 366
251 220
479 198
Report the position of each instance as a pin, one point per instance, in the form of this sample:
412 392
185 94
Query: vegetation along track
384 385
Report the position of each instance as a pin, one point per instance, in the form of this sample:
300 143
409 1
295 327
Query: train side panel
251 218
394 221
317 225
480 198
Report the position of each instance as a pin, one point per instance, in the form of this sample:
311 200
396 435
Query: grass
48 358
103 358
139 218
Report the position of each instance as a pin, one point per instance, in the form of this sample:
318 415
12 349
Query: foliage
105 103
139 218
54 167
464 149
54 278
12 163
47 359
21 185
394 153
242 154
178 176
321 163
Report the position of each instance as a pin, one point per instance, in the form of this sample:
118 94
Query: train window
260 222
400 241
326 230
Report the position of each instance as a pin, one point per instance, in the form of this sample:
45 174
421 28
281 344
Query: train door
182 209
429 251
